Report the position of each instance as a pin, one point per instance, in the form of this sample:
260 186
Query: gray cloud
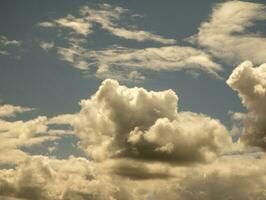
233 177
121 122
39 177
44 178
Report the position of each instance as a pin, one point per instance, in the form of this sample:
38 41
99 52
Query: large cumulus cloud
121 122
250 83
140 147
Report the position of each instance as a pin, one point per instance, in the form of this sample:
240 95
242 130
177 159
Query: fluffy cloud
250 83
8 110
49 179
109 18
17 134
226 33
121 122
147 148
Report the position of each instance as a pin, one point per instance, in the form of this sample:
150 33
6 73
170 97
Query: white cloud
250 83
226 33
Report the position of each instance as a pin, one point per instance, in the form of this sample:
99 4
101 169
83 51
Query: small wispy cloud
46 45
109 18
8 110
7 44
116 62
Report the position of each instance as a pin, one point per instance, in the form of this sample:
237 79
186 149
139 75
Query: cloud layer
140 147
44 178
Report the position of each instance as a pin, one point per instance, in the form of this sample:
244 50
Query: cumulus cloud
226 34
250 83
8 110
109 18
140 147
121 122
17 134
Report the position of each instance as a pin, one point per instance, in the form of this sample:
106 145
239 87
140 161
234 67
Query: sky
104 97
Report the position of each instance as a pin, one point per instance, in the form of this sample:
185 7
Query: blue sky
160 86
39 74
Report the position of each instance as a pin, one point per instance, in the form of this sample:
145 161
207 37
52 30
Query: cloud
46 45
227 33
8 110
125 63
121 63
44 178
249 82
17 134
231 177
140 147
74 56
121 122
109 18
40 177
6 45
